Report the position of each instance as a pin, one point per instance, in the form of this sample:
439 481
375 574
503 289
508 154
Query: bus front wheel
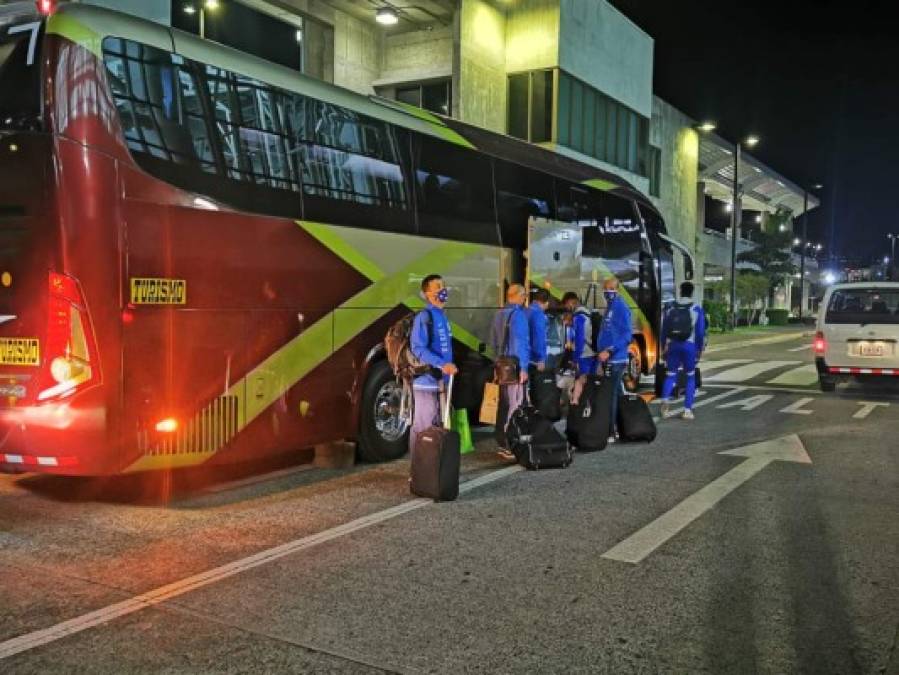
384 431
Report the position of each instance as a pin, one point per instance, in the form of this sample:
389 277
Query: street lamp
205 6
816 186
892 237
735 217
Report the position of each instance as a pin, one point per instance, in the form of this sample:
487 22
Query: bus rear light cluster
46 7
167 426
820 344
71 349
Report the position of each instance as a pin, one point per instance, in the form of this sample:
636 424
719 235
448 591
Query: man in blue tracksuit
539 327
683 339
581 334
431 341
510 336
614 343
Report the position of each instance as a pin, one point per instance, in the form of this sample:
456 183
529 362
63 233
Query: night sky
817 81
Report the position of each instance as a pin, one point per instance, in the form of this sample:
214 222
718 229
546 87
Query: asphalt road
775 566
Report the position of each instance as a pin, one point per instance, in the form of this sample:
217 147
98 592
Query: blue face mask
443 295
610 295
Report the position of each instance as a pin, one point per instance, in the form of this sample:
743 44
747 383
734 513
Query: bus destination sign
20 352
158 291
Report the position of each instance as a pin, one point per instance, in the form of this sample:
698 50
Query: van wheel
827 384
383 433
634 369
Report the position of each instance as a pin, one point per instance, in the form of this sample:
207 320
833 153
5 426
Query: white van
858 332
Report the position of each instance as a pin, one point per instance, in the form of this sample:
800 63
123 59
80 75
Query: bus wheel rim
390 425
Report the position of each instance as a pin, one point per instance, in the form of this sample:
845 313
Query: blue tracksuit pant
681 355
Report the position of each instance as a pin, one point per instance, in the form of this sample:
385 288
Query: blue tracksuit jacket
519 341
616 333
697 337
538 326
432 342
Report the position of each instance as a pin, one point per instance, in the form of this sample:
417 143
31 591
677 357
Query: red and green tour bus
200 252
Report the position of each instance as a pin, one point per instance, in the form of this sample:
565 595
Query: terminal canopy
762 188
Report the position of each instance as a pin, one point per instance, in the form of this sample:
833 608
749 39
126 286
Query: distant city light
752 140
707 126
829 277
299 35
886 260
819 247
782 228
796 242
758 219
728 207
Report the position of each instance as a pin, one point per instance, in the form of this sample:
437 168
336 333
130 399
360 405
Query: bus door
554 256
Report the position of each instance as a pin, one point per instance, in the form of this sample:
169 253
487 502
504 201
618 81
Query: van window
863 305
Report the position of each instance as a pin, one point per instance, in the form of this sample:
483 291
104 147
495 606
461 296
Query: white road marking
706 401
721 363
749 371
867 407
796 408
23 643
761 387
758 455
752 342
802 376
800 349
750 403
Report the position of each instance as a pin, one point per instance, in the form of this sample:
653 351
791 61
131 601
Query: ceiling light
190 9
212 4
707 127
751 141
300 35
387 16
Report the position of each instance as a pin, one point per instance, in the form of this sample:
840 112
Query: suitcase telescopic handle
448 402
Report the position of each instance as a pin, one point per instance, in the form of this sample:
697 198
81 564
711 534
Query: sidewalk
755 335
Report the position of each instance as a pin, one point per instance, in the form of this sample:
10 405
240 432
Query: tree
752 289
772 255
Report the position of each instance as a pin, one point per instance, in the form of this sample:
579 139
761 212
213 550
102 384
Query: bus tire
382 435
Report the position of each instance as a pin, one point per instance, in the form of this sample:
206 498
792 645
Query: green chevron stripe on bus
600 184
440 127
73 30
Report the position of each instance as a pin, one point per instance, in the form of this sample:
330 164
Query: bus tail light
71 351
167 426
820 344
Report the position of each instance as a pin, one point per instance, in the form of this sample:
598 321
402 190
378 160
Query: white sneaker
688 415
613 439
666 408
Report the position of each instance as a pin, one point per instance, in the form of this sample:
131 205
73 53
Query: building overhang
762 188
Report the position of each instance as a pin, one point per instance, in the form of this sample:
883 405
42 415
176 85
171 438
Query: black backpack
680 322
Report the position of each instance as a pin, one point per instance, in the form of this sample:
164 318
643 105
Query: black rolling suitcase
535 442
589 421
436 458
546 396
635 420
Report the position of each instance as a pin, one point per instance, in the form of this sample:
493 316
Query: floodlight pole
802 252
734 227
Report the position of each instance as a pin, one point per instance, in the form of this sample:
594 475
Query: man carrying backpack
614 343
511 339
431 342
682 339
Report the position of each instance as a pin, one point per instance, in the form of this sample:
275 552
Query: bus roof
88 26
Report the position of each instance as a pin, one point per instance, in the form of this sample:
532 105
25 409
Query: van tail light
70 361
820 344
46 7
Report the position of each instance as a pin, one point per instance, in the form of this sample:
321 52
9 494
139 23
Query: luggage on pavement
635 420
535 442
436 459
549 450
589 421
547 397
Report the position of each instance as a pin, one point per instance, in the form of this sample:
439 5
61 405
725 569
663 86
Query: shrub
778 317
716 315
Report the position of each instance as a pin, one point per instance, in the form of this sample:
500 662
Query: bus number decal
32 42
158 291
20 352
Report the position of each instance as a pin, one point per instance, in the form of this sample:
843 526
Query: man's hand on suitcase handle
449 369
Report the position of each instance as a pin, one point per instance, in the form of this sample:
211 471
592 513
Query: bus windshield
20 94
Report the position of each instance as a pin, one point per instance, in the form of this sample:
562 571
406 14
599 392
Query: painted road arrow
758 456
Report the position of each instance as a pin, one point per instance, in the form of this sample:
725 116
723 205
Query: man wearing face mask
614 343
431 342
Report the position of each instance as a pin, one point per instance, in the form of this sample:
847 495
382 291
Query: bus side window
455 192
520 194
